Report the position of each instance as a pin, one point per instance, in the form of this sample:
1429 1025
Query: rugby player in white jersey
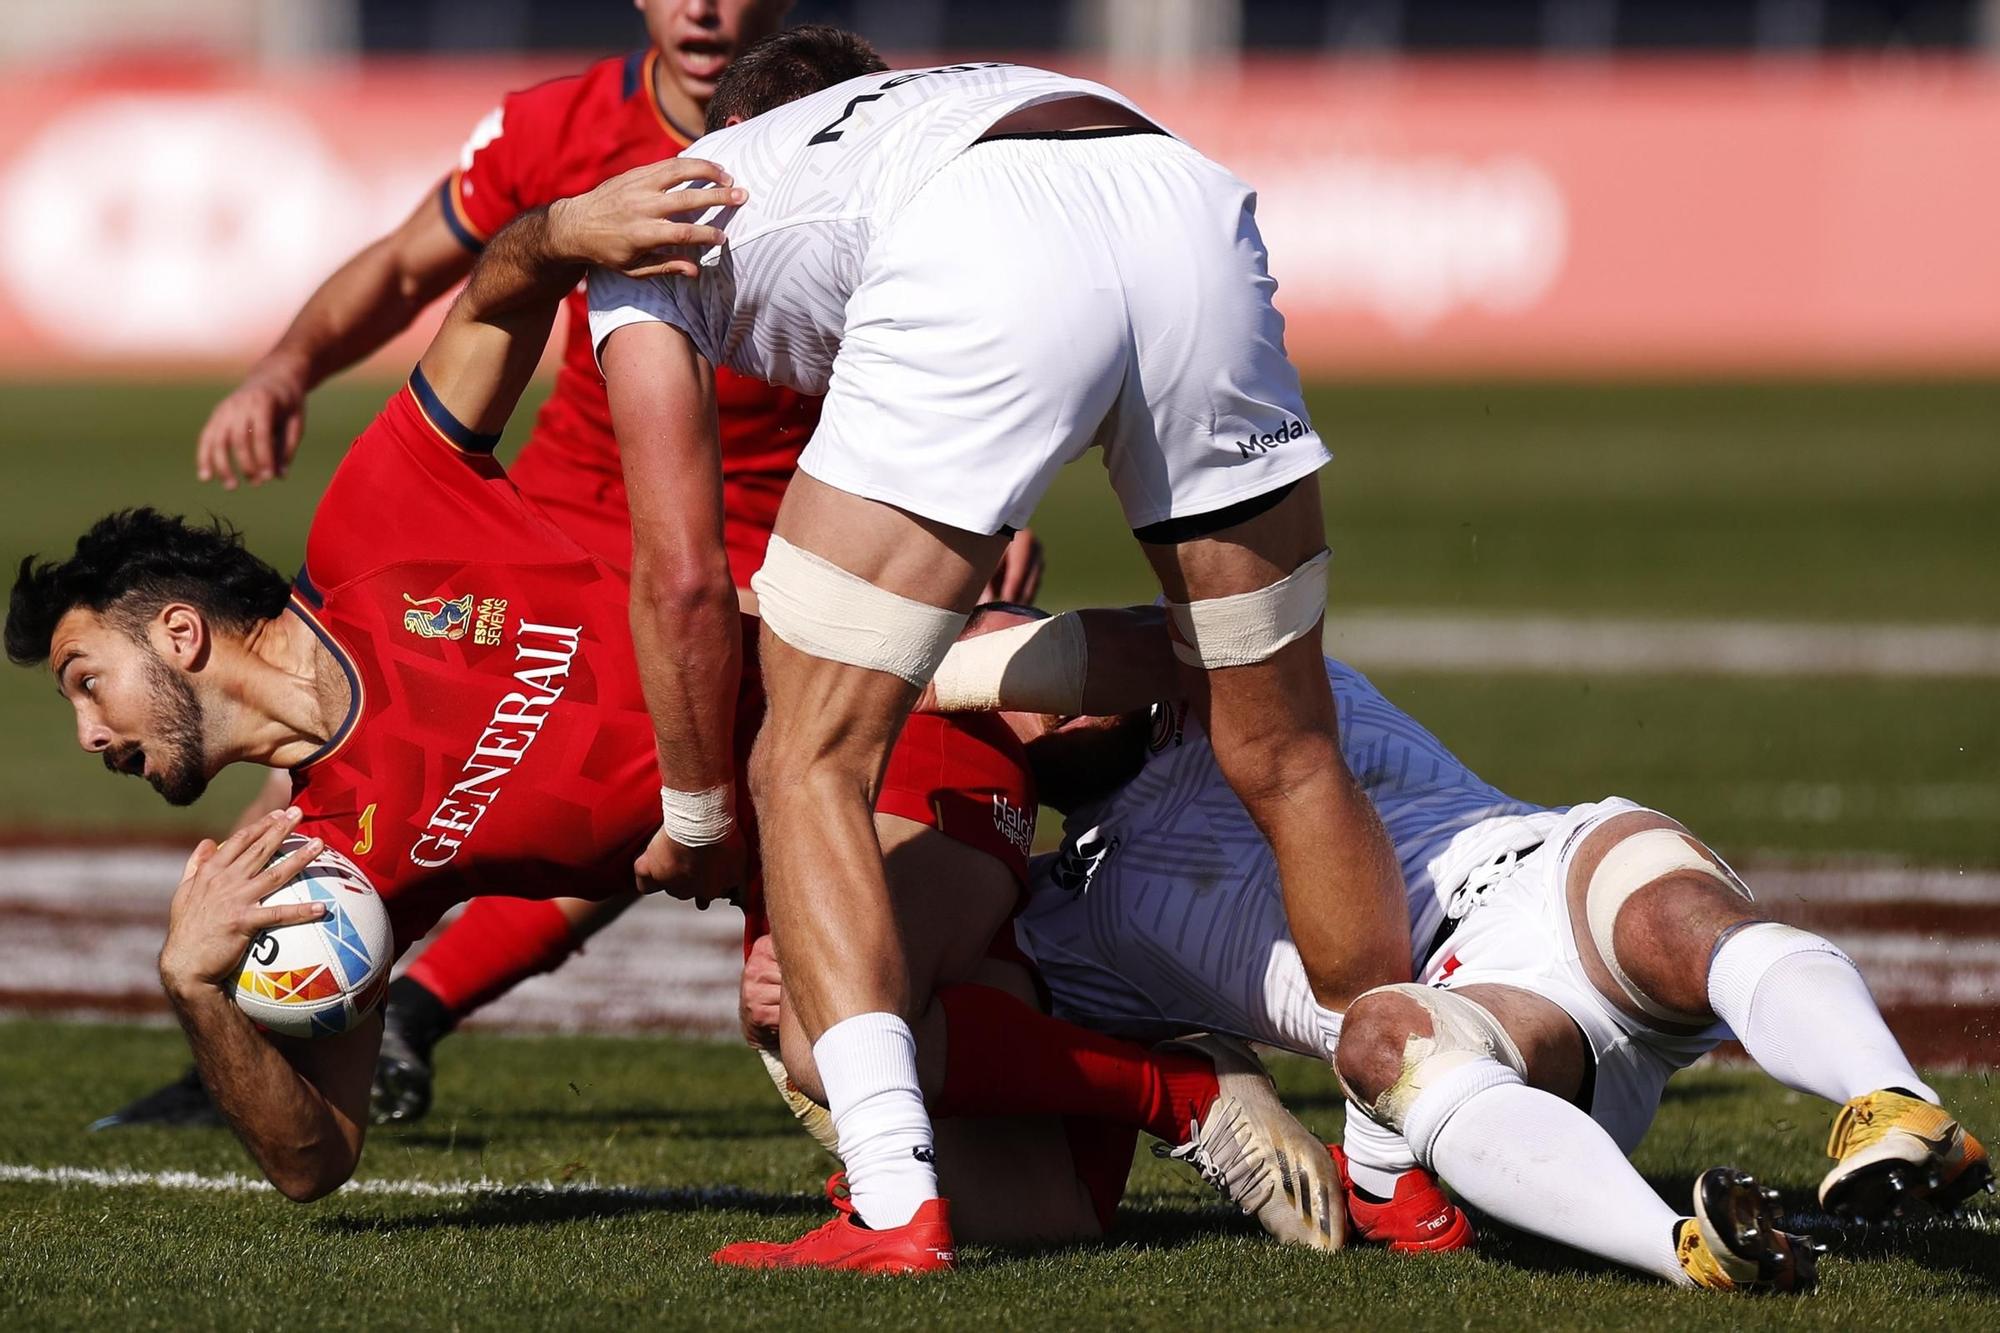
987 269
1569 961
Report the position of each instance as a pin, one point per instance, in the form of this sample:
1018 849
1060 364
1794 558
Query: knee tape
823 610
1250 627
1465 1036
1038 667
1629 867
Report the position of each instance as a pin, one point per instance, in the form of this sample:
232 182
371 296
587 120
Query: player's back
825 174
1178 822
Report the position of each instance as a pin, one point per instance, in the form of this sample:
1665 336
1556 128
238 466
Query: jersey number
832 133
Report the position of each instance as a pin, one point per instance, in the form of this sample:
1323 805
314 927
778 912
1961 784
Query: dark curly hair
787 66
132 563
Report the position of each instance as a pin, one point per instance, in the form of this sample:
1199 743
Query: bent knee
1649 901
1375 1035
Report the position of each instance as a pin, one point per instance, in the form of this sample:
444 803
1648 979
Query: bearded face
133 708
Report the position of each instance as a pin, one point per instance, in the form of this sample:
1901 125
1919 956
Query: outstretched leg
1479 1081
1668 934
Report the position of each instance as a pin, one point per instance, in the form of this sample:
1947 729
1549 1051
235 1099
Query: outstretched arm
482 357
1096 663
300 1107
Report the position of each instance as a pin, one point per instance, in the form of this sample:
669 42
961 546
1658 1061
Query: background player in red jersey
544 143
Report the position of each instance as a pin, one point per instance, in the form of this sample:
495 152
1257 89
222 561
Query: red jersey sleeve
504 168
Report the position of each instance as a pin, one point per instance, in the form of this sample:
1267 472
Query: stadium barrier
1492 216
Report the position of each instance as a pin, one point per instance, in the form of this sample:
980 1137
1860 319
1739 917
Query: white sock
1805 1015
1376 1157
1329 1031
1539 1164
868 1066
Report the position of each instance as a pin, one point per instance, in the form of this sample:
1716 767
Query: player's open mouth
702 60
130 762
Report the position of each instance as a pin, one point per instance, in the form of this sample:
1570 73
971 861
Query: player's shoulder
606 82
787 124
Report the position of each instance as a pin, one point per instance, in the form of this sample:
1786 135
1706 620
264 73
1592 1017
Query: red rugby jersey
498 739
559 139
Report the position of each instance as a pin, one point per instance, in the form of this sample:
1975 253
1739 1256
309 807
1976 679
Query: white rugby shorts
1142 972
1039 296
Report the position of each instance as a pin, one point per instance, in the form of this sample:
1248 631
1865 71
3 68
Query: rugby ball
319 978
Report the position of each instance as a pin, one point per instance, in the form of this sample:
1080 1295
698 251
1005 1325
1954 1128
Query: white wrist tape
696 818
1250 627
819 608
1033 668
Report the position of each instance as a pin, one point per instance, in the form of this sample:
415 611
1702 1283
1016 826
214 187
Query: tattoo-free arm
684 619
299 1107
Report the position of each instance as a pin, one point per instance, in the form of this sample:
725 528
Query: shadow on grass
1970 1248
582 1203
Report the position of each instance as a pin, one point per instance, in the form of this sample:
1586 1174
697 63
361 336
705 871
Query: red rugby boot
921 1245
1418 1219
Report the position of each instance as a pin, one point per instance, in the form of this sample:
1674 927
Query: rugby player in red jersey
544 143
451 683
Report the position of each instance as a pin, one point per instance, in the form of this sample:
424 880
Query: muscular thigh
1552 1048
1647 903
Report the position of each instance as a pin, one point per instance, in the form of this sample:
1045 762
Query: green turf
698 1117
1787 501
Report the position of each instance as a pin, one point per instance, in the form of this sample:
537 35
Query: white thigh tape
1250 627
1627 868
819 608
1038 667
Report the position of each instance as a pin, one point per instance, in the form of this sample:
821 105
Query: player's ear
181 635
733 120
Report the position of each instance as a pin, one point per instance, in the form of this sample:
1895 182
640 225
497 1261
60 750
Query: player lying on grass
556 139
1571 960
452 684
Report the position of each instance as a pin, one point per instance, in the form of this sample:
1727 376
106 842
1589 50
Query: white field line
231 1183
1421 640
78 1177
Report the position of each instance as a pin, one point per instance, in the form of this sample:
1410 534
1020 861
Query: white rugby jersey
825 174
1175 847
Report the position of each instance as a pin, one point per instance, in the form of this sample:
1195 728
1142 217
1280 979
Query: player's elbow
681 591
309 1171
307 1181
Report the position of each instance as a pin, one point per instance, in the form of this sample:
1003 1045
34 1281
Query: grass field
697 1127
1831 504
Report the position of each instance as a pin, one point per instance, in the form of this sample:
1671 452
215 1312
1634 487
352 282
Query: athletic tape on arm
1038 667
1628 867
821 609
1250 627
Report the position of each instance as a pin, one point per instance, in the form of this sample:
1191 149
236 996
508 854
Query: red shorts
966 776
589 504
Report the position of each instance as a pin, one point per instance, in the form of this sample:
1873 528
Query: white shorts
1520 935
1219 957
1039 296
